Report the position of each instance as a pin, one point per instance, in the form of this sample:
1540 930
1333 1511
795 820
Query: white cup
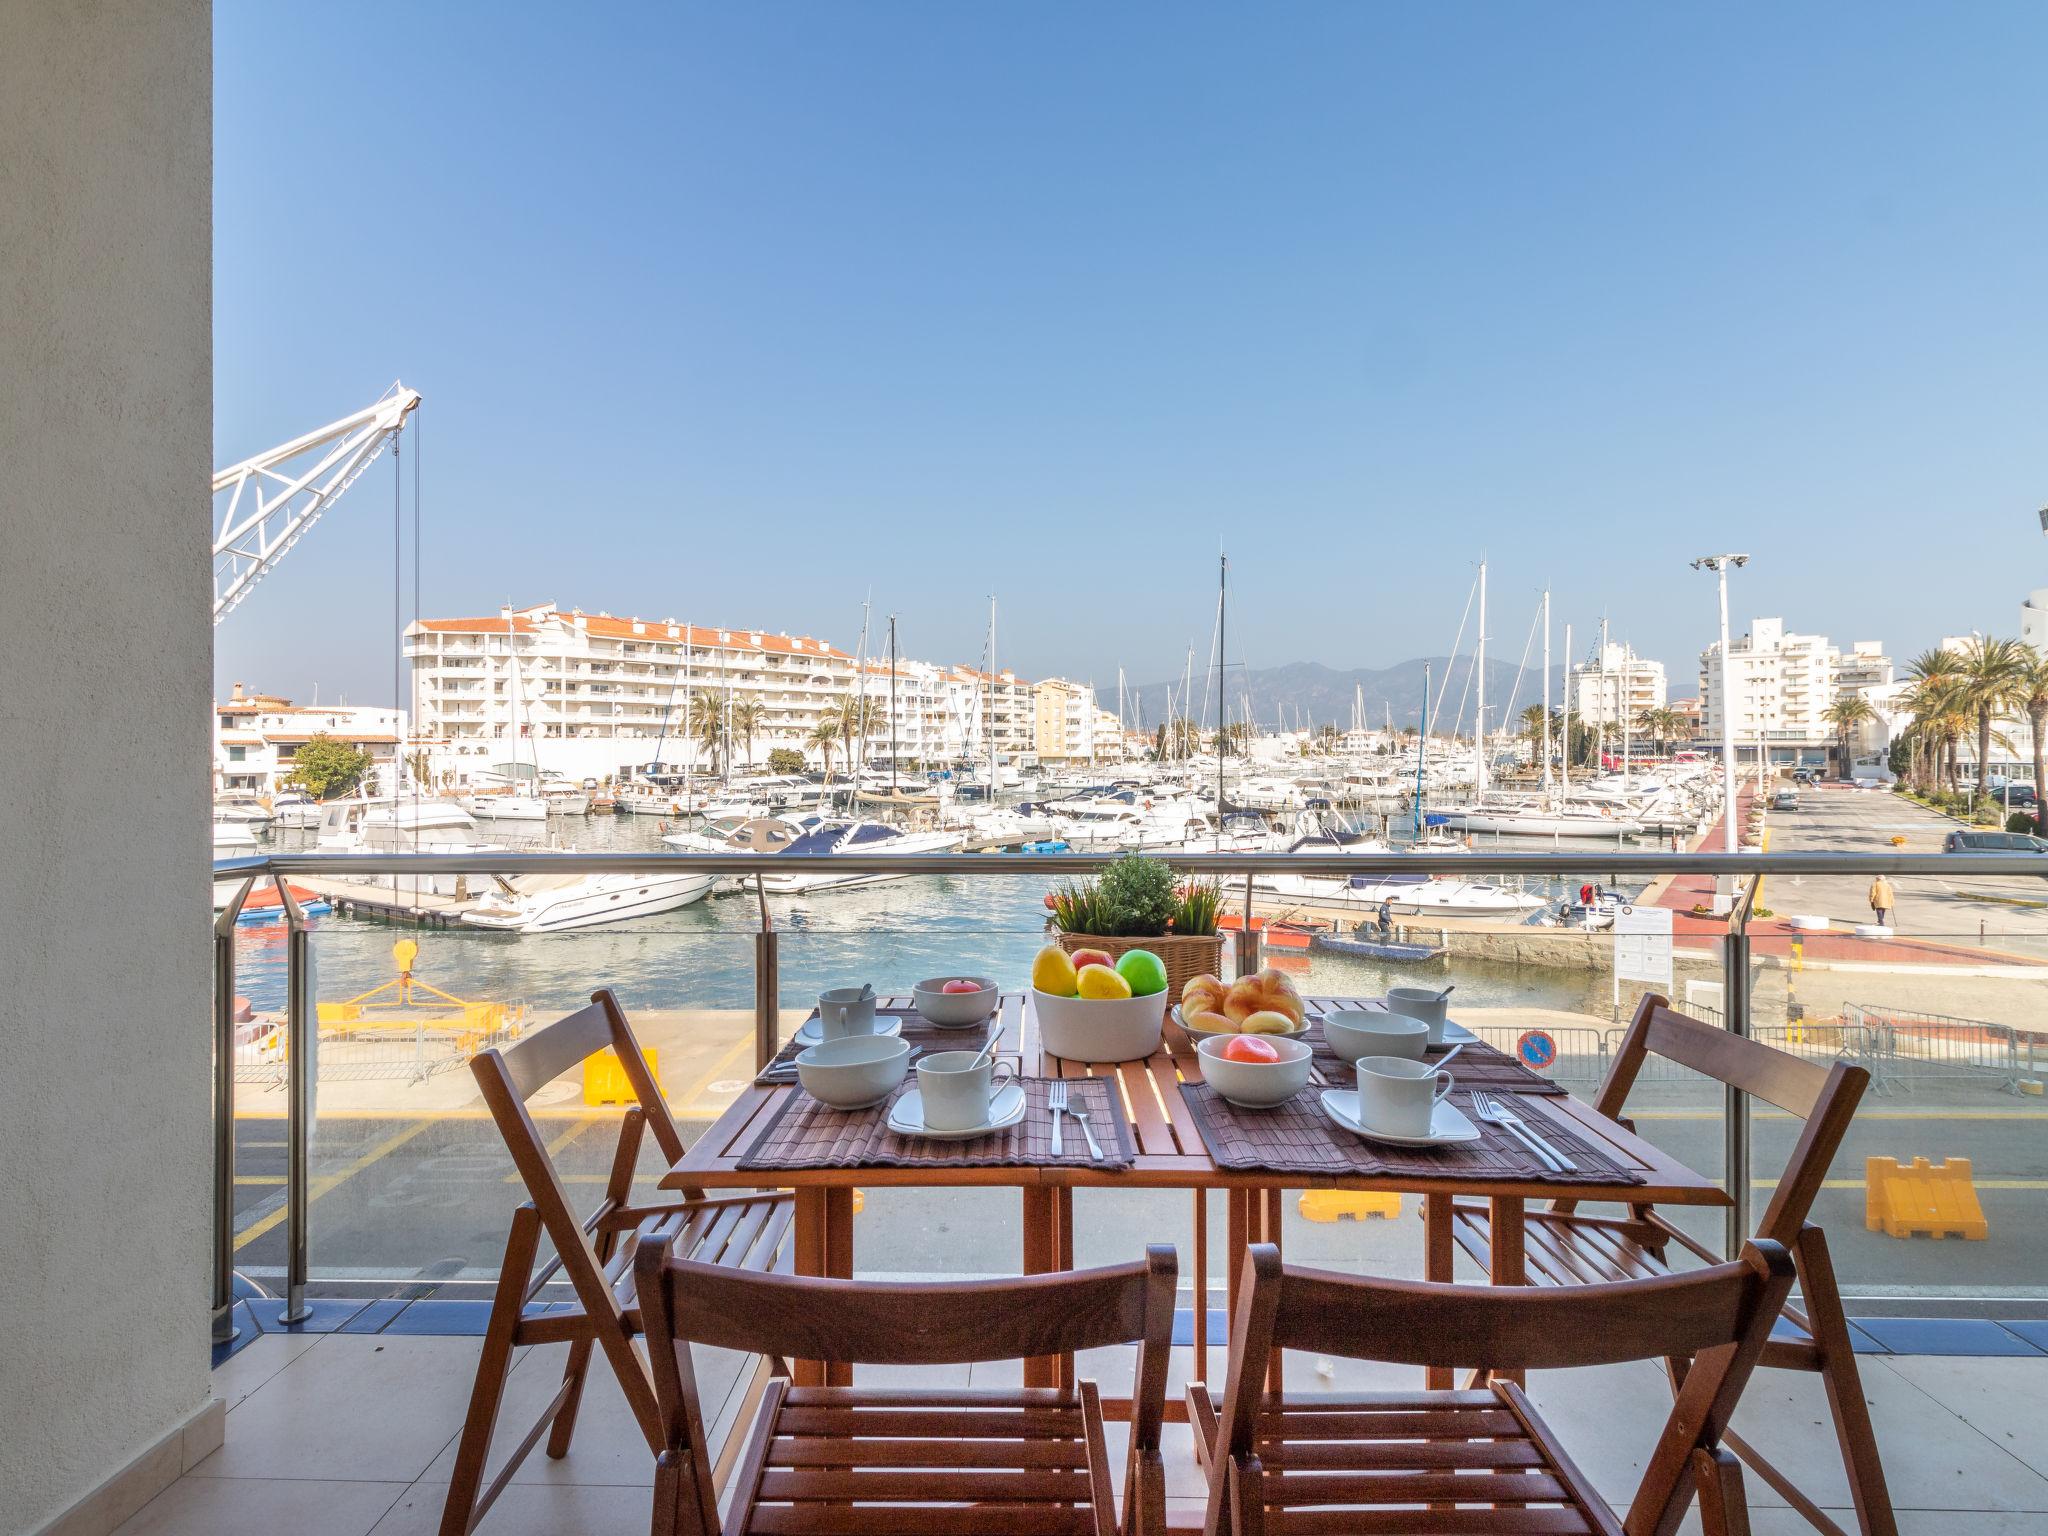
846 1011
957 1092
1398 1096
1425 1003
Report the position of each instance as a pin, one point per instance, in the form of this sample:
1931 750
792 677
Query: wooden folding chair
1448 1463
594 1252
1563 1246
938 1462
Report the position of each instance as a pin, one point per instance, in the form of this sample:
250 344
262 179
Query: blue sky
742 313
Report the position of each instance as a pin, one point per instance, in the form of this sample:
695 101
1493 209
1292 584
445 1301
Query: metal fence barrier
1909 1049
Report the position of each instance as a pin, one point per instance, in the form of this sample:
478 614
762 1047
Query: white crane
288 487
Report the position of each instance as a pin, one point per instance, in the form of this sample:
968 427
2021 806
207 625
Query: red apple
1083 957
961 986
1250 1048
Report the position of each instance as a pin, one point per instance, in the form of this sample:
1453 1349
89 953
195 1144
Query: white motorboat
868 839
563 798
233 839
241 809
1408 895
510 805
1528 816
554 904
292 809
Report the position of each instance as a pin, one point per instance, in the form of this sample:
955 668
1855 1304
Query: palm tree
859 717
1933 677
707 725
1989 682
748 716
1845 714
825 736
1660 724
2033 700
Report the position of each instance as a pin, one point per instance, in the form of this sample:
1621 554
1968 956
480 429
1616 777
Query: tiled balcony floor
343 1434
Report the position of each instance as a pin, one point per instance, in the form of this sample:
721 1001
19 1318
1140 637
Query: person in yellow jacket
1882 900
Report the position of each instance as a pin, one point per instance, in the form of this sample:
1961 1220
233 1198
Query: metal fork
1056 1100
1493 1112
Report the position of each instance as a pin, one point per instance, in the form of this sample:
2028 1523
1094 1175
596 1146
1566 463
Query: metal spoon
1447 991
1445 1059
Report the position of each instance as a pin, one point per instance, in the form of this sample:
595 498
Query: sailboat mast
1565 758
989 725
1421 749
1606 698
689 762
1222 713
892 705
1546 688
1479 682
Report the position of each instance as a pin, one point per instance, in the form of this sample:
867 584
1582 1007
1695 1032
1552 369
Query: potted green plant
1139 903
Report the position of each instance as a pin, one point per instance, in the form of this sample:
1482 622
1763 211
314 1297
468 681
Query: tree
825 736
1845 714
859 718
2033 700
707 727
1989 682
785 760
1660 725
1932 675
747 717
326 767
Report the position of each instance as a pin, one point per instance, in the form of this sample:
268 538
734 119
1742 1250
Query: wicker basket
1185 956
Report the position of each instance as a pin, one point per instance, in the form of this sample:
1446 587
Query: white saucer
1448 1126
1007 1108
1456 1034
885 1025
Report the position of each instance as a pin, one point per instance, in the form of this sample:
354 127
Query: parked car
1785 800
2020 797
1805 777
1993 842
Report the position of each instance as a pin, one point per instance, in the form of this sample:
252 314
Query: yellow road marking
327 1182
259 1178
1862 1115
718 1070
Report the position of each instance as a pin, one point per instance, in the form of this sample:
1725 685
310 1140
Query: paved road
427 1199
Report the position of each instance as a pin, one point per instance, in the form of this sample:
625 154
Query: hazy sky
743 312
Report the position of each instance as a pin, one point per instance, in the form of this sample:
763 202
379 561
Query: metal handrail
1561 862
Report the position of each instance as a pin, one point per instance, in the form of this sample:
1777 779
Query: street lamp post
1719 564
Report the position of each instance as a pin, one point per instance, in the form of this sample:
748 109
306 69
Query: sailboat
514 803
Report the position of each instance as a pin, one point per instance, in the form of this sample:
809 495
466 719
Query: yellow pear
1101 983
1053 972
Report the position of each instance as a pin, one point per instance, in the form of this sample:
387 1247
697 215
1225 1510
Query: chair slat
928 1520
1501 1487
1427 1522
832 1451
948 1485
1404 1455
1447 1424
961 1424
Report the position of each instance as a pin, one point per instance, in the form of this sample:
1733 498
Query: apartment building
1616 686
257 736
1783 685
586 694
946 714
1070 724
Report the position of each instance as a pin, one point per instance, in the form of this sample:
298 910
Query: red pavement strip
1774 937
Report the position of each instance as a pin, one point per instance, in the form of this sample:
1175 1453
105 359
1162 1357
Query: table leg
1041 1256
1270 1233
811 1223
1438 1247
839 1263
1505 1221
1201 1364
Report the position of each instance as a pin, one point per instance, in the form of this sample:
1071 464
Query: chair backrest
1720 1316
508 1078
1824 1097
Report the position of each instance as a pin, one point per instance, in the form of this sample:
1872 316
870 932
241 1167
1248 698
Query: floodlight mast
273 498
1719 565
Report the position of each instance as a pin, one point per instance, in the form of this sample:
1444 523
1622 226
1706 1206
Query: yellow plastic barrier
859 1202
486 1017
338 1013
1358 1205
1924 1200
604 1077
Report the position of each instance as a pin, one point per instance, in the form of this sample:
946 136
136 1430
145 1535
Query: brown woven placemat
920 1033
1299 1137
1479 1065
804 1133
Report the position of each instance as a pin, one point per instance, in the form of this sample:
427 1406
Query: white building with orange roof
586 694
256 737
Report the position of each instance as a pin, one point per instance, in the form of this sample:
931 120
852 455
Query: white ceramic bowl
1100 1028
1255 1084
1199 1035
954 1010
1356 1032
855 1070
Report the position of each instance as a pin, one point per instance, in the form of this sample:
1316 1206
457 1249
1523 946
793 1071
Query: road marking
259 1178
717 1071
333 1181
1868 1114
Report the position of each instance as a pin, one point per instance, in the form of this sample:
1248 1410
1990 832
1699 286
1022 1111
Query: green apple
1145 971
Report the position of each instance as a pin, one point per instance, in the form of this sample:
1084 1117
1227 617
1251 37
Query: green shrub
1133 898
2020 821
785 760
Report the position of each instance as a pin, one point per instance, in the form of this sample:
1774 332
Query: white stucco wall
105 669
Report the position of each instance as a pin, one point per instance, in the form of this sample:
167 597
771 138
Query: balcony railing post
300 1027
767 985
224 1329
1735 1103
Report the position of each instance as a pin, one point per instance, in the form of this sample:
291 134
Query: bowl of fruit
1093 1008
955 1002
1264 1003
1254 1071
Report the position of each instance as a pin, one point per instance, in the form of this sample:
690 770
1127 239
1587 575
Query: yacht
1408 895
1533 816
553 904
292 809
243 809
868 839
563 798
233 839
401 824
509 805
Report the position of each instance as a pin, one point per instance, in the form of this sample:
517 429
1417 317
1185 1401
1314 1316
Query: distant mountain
1308 691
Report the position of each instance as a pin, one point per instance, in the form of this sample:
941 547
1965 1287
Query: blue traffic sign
1536 1049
